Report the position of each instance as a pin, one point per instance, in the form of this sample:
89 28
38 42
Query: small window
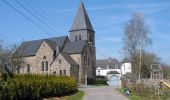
54 53
28 68
59 61
88 61
60 72
46 63
84 60
79 37
42 66
64 72
76 38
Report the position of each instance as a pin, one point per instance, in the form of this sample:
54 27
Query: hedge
97 80
29 87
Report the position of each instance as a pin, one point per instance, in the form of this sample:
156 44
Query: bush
97 80
30 87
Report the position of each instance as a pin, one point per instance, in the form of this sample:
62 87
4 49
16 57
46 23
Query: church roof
81 21
75 47
29 48
69 59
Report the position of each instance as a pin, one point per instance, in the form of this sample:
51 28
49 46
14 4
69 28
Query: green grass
78 96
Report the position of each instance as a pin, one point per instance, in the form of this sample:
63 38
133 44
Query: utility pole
140 63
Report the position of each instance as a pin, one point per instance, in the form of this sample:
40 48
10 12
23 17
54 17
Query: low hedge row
97 80
29 87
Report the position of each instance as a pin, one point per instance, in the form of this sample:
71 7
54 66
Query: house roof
81 21
103 63
69 59
113 72
29 48
75 47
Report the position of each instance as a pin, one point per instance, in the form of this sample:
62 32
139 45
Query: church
73 55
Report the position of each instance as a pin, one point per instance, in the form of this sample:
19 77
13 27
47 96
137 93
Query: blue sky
108 18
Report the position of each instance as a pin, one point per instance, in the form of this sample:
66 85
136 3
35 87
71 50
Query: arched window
28 68
46 65
42 66
64 72
60 72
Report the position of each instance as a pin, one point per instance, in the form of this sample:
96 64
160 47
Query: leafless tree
10 58
135 39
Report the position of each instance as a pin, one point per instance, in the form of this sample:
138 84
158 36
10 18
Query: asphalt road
102 93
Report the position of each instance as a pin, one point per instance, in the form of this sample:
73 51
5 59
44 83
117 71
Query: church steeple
81 28
81 21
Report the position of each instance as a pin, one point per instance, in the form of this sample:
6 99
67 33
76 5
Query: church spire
81 21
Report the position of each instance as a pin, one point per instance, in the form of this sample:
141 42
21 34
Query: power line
29 19
46 17
29 11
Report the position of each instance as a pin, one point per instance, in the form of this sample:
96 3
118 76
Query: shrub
97 80
29 87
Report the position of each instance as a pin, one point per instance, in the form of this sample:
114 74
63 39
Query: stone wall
60 64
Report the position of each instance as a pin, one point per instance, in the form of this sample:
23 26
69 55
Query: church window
28 68
84 60
76 38
79 37
42 66
64 72
54 53
59 61
88 61
46 64
60 72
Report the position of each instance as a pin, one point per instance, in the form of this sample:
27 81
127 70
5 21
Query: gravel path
102 93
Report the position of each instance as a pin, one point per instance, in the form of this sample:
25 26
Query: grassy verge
133 97
78 96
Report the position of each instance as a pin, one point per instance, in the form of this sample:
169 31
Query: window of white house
60 72
79 37
64 72
46 65
42 66
76 38
59 61
28 68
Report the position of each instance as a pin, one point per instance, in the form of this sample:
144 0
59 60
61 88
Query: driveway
102 93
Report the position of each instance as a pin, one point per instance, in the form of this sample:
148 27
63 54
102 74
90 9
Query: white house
113 70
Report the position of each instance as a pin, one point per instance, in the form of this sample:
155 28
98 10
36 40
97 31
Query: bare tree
10 58
135 40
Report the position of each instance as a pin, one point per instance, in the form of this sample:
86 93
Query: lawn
78 96
134 97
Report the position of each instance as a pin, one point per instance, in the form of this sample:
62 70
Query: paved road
102 93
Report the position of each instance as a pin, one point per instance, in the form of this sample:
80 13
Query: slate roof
103 63
81 21
29 48
69 59
74 47
113 72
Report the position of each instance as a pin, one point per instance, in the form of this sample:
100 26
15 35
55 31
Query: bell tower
81 28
